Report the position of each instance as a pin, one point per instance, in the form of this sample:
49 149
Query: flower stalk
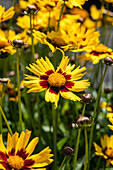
86 149
94 115
6 121
19 96
32 38
55 121
78 141
62 163
61 12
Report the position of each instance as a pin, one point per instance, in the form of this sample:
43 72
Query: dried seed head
18 43
108 61
86 98
68 151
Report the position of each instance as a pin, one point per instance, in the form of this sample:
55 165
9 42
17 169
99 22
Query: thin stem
86 149
61 12
94 115
19 96
62 163
32 38
55 119
78 141
5 119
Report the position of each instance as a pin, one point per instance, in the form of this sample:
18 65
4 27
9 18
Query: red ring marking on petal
69 84
44 83
59 71
5 165
22 154
3 156
63 89
44 77
28 162
49 72
67 76
54 90
12 152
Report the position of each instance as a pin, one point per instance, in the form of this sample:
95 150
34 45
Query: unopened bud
108 61
86 98
107 90
83 122
4 26
18 43
68 151
11 73
4 80
31 8
3 54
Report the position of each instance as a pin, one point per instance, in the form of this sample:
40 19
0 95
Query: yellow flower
107 149
18 156
6 15
81 12
5 44
76 3
106 106
96 13
77 38
62 81
109 1
101 51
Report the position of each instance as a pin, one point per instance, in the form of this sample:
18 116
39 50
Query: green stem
39 113
78 141
19 96
55 120
62 163
86 149
5 119
61 12
32 38
94 115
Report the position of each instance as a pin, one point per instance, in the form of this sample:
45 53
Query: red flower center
15 162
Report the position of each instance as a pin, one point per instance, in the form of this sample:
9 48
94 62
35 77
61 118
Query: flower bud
3 54
68 151
11 73
107 90
83 121
31 8
4 80
86 98
17 30
18 43
108 61
4 26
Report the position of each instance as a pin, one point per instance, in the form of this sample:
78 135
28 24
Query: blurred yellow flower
18 156
6 15
5 44
99 52
107 149
62 81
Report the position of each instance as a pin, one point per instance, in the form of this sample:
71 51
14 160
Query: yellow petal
23 140
2 147
30 148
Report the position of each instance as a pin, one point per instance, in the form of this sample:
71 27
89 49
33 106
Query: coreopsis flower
101 51
81 12
109 108
5 44
77 38
107 149
109 1
54 39
62 81
6 15
17 154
